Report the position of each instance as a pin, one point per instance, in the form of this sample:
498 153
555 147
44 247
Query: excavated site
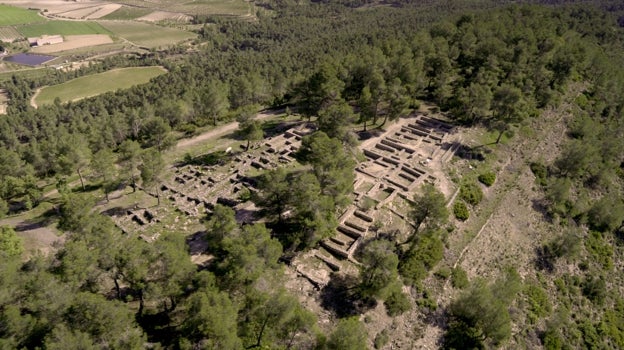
408 153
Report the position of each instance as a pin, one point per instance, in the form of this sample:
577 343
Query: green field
10 15
62 28
213 7
127 13
26 73
195 7
96 84
147 35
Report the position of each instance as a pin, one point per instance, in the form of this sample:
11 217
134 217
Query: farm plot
213 7
127 13
9 34
93 85
147 35
62 28
197 7
74 42
10 15
93 12
158 16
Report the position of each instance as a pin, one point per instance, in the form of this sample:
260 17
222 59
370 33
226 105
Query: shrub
487 178
607 213
539 305
471 193
381 339
595 289
459 278
540 171
244 194
427 301
397 302
443 273
460 210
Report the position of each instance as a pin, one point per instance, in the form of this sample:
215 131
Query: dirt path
34 96
221 130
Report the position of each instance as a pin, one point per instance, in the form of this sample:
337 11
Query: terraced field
93 85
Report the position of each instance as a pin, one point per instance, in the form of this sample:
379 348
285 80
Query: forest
343 65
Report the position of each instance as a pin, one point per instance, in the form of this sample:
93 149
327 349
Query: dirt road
222 130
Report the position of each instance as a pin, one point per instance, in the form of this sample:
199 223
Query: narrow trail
34 96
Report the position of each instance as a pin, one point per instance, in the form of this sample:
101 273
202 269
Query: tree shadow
540 206
197 243
118 211
544 259
272 128
43 220
368 134
341 296
470 153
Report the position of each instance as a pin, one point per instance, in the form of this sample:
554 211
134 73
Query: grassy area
196 7
10 15
213 7
62 28
127 13
147 35
26 73
96 84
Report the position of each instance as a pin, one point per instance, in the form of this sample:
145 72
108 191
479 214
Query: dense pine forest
503 67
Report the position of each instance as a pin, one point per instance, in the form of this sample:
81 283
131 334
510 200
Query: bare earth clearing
54 6
164 15
75 42
3 101
92 12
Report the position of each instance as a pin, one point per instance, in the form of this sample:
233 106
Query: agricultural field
214 7
10 15
198 7
91 12
74 42
127 13
96 84
146 35
8 34
62 28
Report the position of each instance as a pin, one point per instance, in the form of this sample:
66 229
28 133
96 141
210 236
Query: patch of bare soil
3 101
37 236
54 6
220 131
75 42
157 16
104 10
